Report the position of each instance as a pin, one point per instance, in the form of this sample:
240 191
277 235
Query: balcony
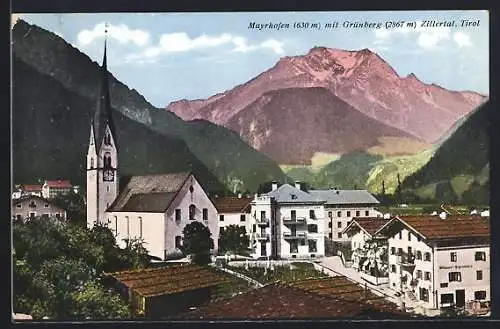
406 259
262 221
294 220
294 236
262 236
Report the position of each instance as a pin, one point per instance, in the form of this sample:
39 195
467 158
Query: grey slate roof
149 193
344 196
289 194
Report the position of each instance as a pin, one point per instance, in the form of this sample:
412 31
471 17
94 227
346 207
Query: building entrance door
460 298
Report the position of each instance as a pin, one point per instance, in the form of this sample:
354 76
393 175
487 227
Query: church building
154 208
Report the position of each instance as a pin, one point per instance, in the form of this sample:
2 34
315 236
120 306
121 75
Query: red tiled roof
59 183
32 188
232 205
433 227
368 224
167 280
282 301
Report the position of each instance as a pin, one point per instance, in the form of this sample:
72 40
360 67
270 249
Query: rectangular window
348 213
294 247
339 224
177 215
443 285
293 214
263 249
329 224
427 256
427 276
242 218
419 255
339 235
254 228
140 227
330 236
358 213
479 275
400 251
312 228
178 242
410 251
409 236
339 213
192 211
480 295
419 274
221 218
312 246
19 205
447 298
128 227
393 250
453 256
330 214
480 255
454 277
393 268
205 214
400 235
262 215
311 214
367 213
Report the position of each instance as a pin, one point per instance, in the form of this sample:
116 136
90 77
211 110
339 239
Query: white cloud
426 37
121 33
462 39
181 42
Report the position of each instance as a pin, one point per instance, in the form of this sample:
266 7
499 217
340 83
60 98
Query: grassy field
298 271
231 288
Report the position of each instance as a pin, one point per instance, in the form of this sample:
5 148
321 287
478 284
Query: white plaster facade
337 217
431 265
162 231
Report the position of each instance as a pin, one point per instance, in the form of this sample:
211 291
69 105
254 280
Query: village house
32 189
369 251
154 208
288 224
341 206
155 293
32 206
440 262
233 211
54 188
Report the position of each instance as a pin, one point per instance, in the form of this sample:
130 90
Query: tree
74 205
234 239
197 242
93 302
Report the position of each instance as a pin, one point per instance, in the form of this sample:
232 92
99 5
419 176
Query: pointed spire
103 114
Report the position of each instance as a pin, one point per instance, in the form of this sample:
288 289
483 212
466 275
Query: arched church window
107 139
192 210
107 160
91 163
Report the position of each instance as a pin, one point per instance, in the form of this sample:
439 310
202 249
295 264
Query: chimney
239 195
274 186
297 185
442 215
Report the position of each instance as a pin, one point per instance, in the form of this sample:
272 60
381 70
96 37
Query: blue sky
172 56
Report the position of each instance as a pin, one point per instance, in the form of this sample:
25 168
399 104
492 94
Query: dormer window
32 204
293 196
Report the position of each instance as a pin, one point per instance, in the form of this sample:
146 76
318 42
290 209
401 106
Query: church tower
102 155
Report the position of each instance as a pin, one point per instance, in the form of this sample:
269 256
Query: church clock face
108 176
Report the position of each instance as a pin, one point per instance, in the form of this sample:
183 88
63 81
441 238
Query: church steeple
103 115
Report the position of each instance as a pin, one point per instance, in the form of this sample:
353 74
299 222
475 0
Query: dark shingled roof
172 279
435 228
368 224
149 193
281 301
233 205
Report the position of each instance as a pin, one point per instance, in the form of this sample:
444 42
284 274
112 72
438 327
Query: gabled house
32 189
32 206
441 262
156 208
369 251
233 211
155 293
